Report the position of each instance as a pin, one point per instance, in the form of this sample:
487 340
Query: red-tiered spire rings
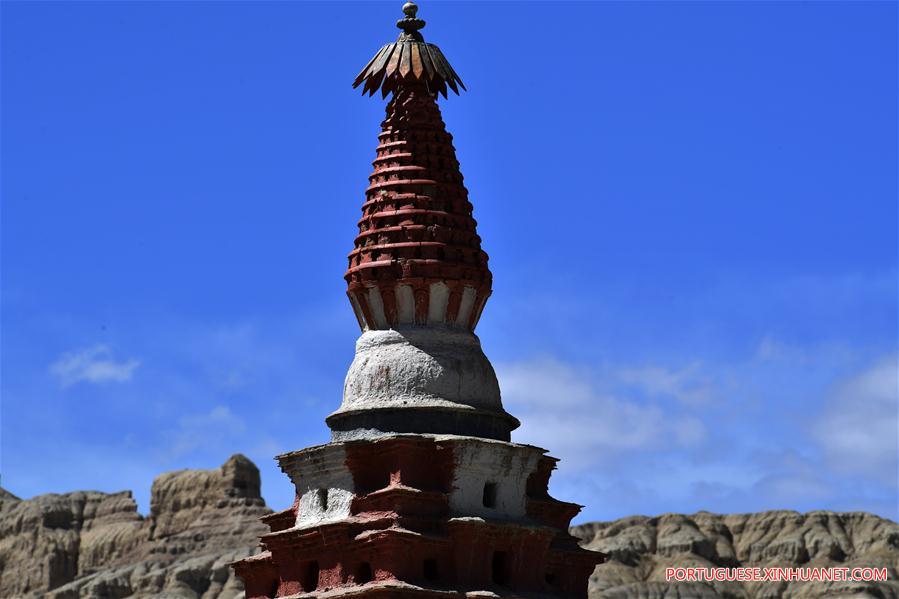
417 259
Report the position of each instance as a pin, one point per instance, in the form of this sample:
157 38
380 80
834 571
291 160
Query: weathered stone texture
423 516
91 544
641 548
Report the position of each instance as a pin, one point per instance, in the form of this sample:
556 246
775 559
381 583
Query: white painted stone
476 461
376 305
318 472
480 310
419 367
439 298
357 309
465 306
482 461
405 300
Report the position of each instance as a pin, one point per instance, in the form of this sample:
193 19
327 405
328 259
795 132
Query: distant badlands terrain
91 544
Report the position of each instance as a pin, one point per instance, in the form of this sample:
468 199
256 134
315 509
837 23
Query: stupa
420 492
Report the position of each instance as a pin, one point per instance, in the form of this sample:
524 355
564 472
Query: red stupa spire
417 277
417 227
420 492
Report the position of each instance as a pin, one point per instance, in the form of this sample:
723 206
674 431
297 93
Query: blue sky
690 210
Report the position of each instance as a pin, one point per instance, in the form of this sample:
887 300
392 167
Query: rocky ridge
640 549
90 544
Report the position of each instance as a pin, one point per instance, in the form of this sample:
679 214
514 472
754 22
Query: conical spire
417 277
417 259
419 493
408 59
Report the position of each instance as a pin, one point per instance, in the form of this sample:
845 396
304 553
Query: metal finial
408 60
410 24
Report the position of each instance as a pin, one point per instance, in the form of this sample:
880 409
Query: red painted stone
401 539
417 226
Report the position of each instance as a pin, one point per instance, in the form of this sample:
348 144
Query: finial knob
411 24
407 60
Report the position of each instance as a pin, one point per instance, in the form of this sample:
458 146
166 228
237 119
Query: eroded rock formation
91 544
641 548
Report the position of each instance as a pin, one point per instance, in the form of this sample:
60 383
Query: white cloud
616 425
562 409
92 365
218 427
687 385
219 418
858 428
787 477
773 351
771 348
546 381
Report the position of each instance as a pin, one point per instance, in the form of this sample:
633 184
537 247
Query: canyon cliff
91 544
